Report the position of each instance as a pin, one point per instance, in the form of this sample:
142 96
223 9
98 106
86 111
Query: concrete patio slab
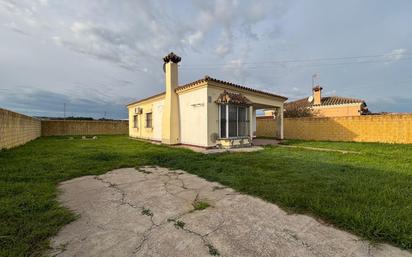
265 141
219 150
150 212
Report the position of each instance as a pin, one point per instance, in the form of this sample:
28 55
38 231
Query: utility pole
64 110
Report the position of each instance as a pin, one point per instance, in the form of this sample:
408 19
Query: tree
298 113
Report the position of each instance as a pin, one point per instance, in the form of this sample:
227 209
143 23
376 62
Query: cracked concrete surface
129 212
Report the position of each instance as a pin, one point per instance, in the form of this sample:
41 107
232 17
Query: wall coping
93 121
265 117
19 114
401 115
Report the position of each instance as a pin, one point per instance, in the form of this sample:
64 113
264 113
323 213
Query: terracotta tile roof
233 98
328 100
207 78
333 100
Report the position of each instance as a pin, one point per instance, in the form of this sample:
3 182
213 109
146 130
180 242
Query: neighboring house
328 106
206 112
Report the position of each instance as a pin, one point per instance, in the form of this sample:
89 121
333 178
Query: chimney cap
172 57
317 88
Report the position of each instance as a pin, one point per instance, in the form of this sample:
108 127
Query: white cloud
78 27
132 30
14 27
57 40
395 55
194 39
222 49
127 39
231 19
43 2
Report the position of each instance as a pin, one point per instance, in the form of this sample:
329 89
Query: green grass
212 250
369 194
200 205
179 224
147 212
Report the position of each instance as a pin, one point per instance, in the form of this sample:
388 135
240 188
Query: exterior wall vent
138 110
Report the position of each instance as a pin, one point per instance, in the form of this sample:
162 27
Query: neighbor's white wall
193 117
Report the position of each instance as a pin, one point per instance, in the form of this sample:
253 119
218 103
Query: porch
237 118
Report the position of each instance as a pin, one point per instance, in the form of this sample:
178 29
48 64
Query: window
135 121
234 121
148 120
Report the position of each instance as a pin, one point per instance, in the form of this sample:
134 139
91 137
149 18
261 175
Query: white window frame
237 121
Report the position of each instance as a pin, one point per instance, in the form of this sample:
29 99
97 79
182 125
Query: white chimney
170 121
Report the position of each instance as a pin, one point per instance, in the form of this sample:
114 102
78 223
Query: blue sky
96 56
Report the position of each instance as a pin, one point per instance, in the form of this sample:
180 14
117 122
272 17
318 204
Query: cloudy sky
98 55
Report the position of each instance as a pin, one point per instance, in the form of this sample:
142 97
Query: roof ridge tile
208 78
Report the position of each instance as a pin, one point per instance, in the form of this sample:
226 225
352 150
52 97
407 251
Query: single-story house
207 112
328 106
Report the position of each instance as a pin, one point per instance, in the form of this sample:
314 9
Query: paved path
150 212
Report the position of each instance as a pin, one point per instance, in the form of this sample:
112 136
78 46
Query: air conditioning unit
138 110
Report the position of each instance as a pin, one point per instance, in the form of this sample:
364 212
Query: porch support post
280 121
251 122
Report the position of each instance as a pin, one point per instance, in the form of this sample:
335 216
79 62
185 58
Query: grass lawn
369 194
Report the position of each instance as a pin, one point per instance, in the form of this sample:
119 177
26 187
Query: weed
200 205
212 250
179 224
147 212
144 171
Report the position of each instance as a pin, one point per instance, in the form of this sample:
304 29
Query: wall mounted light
197 105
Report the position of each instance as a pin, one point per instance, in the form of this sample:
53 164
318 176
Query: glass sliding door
223 121
233 121
243 122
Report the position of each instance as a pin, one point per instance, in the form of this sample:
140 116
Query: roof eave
145 99
207 79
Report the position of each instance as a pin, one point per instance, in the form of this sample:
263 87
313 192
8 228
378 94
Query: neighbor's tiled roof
328 100
333 100
207 78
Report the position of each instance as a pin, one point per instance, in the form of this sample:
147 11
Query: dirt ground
154 211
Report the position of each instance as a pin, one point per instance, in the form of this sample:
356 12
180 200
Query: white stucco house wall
206 113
